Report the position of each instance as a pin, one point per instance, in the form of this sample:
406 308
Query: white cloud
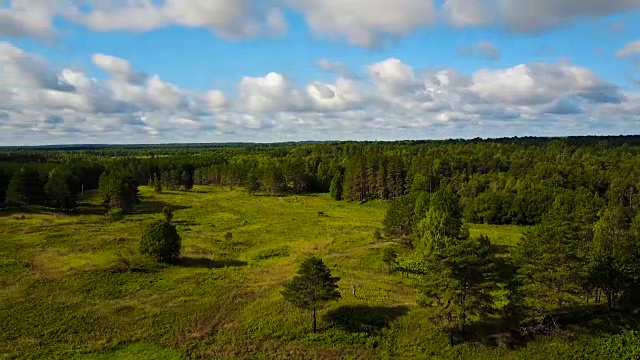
365 22
392 75
536 84
395 101
21 69
215 99
229 19
539 15
530 16
630 49
461 13
483 49
117 67
23 24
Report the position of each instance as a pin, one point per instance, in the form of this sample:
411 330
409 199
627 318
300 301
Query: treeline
498 182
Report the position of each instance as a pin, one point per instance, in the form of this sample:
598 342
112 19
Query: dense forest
579 198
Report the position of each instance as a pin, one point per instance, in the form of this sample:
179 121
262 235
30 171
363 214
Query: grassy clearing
64 292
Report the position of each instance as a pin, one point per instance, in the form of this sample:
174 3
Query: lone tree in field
161 241
312 287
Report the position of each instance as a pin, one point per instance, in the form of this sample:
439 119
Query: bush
115 215
167 213
161 241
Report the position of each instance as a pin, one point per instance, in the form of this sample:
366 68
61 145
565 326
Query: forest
425 217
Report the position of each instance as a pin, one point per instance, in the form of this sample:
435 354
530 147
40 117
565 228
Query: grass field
65 293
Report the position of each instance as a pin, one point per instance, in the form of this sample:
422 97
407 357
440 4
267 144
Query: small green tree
14 197
312 287
115 215
390 258
157 184
252 183
161 241
167 213
186 179
120 190
59 187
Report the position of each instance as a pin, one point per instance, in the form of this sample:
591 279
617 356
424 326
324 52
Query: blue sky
141 71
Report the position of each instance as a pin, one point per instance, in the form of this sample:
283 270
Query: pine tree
26 188
550 270
14 196
60 187
186 179
335 190
119 190
457 282
312 287
612 256
252 183
273 180
157 184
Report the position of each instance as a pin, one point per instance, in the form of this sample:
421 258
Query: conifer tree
312 287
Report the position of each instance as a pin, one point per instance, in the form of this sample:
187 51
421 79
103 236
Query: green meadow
74 286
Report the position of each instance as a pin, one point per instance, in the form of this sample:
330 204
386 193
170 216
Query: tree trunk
314 320
451 339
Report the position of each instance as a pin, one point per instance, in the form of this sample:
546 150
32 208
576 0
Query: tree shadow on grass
364 318
184 223
500 249
500 333
89 209
593 319
205 263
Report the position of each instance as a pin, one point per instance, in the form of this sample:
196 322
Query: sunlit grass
65 292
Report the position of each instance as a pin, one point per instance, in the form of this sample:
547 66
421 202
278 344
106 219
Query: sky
186 71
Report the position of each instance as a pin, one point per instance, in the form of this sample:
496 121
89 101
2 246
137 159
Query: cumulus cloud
542 83
461 13
272 92
483 49
335 67
22 24
535 16
531 16
630 49
117 67
44 104
365 22
392 76
229 19
21 69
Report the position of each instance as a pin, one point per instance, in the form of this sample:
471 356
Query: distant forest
501 181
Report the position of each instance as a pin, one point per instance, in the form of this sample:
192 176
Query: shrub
161 241
390 258
167 213
115 215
